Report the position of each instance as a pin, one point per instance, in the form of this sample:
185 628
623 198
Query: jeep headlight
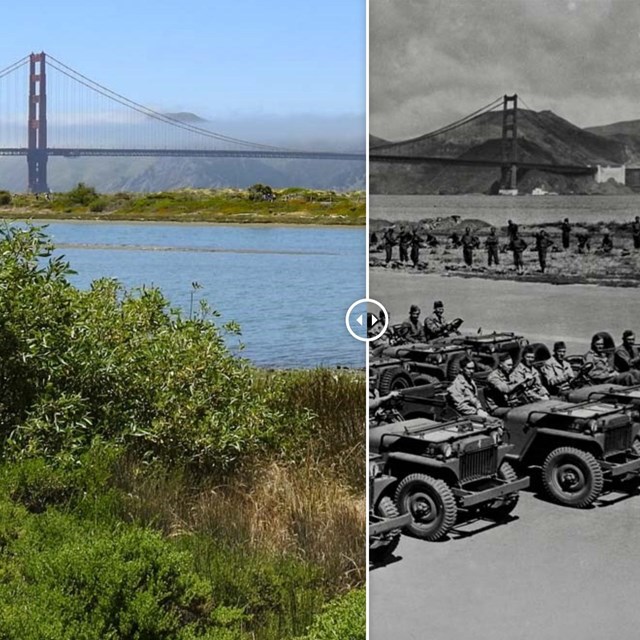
447 450
496 436
634 414
375 469
592 426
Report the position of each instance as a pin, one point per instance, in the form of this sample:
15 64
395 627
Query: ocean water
288 287
496 210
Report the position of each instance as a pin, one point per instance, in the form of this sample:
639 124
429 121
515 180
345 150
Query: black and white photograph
504 246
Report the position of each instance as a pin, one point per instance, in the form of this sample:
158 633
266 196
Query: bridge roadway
190 153
555 168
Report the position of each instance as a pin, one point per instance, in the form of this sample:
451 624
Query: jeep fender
548 438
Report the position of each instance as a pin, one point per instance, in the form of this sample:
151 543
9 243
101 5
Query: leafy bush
61 578
81 194
5 198
122 366
343 619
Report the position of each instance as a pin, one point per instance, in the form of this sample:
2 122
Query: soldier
635 232
518 245
501 390
627 356
584 241
601 371
543 242
557 372
566 233
607 243
492 243
454 238
463 391
389 240
411 329
435 326
378 405
469 243
512 231
525 372
415 247
404 238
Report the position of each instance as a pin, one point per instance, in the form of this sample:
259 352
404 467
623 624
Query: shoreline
617 266
85 219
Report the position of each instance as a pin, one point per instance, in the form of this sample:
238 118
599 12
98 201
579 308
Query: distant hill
110 175
374 141
185 116
626 133
543 136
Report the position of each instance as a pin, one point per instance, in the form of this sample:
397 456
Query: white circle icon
366 319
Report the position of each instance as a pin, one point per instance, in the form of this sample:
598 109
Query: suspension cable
116 97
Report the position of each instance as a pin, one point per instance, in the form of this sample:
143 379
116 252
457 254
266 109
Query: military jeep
417 363
487 348
445 467
577 446
385 522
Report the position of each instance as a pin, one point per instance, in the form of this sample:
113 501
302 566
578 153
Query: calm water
288 287
496 210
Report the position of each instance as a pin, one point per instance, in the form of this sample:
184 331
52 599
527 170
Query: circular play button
366 319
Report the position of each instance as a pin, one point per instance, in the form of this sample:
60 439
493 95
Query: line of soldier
411 239
507 386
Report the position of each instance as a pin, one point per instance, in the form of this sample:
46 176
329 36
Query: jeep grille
478 464
617 439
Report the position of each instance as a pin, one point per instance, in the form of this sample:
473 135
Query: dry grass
277 508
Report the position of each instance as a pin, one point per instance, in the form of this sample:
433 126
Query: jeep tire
431 504
572 477
393 380
381 548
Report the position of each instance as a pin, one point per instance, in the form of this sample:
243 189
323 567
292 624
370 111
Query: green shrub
5 198
122 366
80 195
64 579
98 205
343 619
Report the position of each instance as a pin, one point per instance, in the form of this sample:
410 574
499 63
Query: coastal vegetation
154 485
258 204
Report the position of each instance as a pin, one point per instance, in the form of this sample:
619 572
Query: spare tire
453 366
393 380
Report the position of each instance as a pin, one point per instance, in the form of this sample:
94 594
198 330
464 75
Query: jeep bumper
615 469
378 527
473 498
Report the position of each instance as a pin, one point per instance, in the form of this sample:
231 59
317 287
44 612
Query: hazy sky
217 58
434 61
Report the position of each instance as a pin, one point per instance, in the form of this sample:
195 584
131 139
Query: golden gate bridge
70 115
484 138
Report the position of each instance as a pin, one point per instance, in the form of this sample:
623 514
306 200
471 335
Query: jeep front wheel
572 477
430 503
394 380
499 509
380 548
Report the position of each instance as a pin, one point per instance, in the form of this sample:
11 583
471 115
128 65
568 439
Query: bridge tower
37 154
510 142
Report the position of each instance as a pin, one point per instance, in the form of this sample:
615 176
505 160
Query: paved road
551 573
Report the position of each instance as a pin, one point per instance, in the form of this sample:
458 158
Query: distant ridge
374 141
544 137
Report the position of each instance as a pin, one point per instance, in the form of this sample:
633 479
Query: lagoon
288 287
